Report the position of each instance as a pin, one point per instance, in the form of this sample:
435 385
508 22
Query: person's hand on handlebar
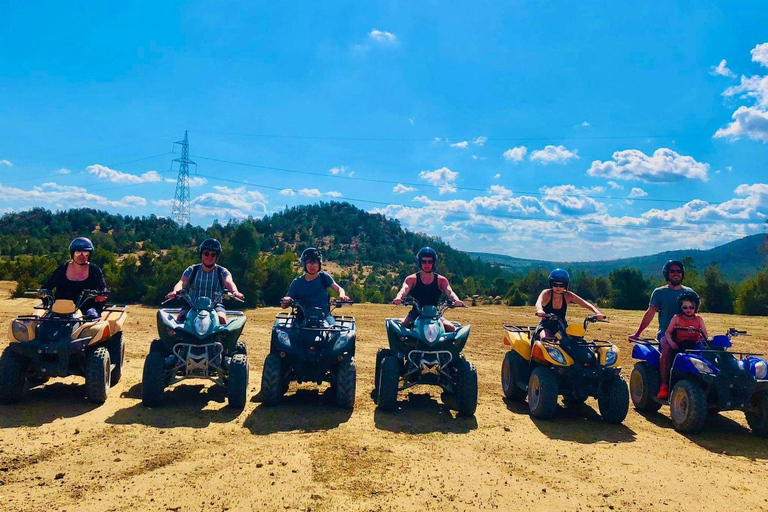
172 294
397 301
237 295
285 302
600 317
541 314
344 298
459 304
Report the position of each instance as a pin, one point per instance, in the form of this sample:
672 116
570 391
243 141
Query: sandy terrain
58 452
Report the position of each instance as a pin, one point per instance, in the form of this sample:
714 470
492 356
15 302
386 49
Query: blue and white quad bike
198 347
707 377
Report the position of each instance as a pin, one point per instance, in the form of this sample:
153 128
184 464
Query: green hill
738 260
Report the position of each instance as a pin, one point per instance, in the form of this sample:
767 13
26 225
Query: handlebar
735 332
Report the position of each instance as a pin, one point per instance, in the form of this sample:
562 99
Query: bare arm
646 320
178 286
703 327
409 283
572 297
670 331
445 286
230 285
342 294
544 297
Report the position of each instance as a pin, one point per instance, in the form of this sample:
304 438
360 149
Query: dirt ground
58 452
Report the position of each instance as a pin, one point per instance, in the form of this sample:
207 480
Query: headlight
431 333
202 324
610 358
556 355
342 340
284 338
702 366
761 370
19 330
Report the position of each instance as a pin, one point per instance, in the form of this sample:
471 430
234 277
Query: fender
519 343
647 353
458 338
683 364
541 354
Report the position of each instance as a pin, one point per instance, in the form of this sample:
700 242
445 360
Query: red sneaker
663 392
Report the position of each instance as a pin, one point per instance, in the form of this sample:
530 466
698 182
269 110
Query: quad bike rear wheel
272 388
757 415
346 383
542 393
11 377
237 384
509 373
380 355
688 407
466 388
389 381
643 386
98 375
153 380
116 347
614 400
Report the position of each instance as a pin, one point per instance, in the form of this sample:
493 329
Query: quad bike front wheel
380 355
389 381
614 400
116 347
346 383
153 380
542 393
757 415
97 375
643 386
509 373
688 407
237 383
466 388
272 388
11 377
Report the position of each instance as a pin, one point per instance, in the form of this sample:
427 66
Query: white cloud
463 144
570 200
436 140
751 122
637 192
516 154
613 185
721 70
553 155
664 166
402 189
443 178
729 168
287 192
497 175
103 172
6 163
760 54
410 120
237 203
197 181
63 171
65 196
480 141
310 192
341 171
583 124
333 193
753 87
382 36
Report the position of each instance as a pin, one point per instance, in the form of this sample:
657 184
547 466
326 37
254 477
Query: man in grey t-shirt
664 299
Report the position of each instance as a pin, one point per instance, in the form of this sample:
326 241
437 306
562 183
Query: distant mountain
738 260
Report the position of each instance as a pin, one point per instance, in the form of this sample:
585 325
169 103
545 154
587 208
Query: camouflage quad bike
58 341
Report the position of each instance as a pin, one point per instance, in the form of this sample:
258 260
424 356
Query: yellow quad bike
58 341
567 364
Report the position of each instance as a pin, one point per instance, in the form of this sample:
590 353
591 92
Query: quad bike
708 377
567 364
307 347
197 347
58 341
425 354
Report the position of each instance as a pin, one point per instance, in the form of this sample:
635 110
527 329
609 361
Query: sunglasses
210 253
427 262
675 271
558 285
687 307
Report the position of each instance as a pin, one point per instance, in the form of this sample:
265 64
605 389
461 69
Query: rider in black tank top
426 294
550 308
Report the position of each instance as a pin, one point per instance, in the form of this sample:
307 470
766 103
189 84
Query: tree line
143 257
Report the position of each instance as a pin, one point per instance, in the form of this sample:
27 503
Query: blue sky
557 132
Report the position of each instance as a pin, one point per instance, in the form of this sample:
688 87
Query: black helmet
311 254
80 243
559 275
426 251
688 296
210 244
670 264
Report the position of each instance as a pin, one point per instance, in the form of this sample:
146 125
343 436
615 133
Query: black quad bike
58 341
425 354
197 347
307 347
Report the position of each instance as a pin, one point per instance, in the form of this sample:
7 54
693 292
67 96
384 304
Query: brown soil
59 452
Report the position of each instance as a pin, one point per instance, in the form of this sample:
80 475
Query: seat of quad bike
63 307
575 331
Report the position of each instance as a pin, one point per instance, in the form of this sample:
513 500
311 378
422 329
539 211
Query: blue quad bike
307 346
708 377
425 354
198 347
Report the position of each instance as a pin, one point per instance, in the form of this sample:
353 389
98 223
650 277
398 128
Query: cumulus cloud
760 54
402 189
570 200
553 155
226 202
497 176
287 192
463 144
66 196
310 192
444 178
665 165
333 193
751 122
583 124
197 181
637 192
341 171
382 36
5 163
613 185
515 154
63 171
721 70
480 141
105 173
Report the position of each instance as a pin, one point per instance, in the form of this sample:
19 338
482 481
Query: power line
412 184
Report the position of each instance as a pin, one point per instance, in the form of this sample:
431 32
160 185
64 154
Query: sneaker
663 392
